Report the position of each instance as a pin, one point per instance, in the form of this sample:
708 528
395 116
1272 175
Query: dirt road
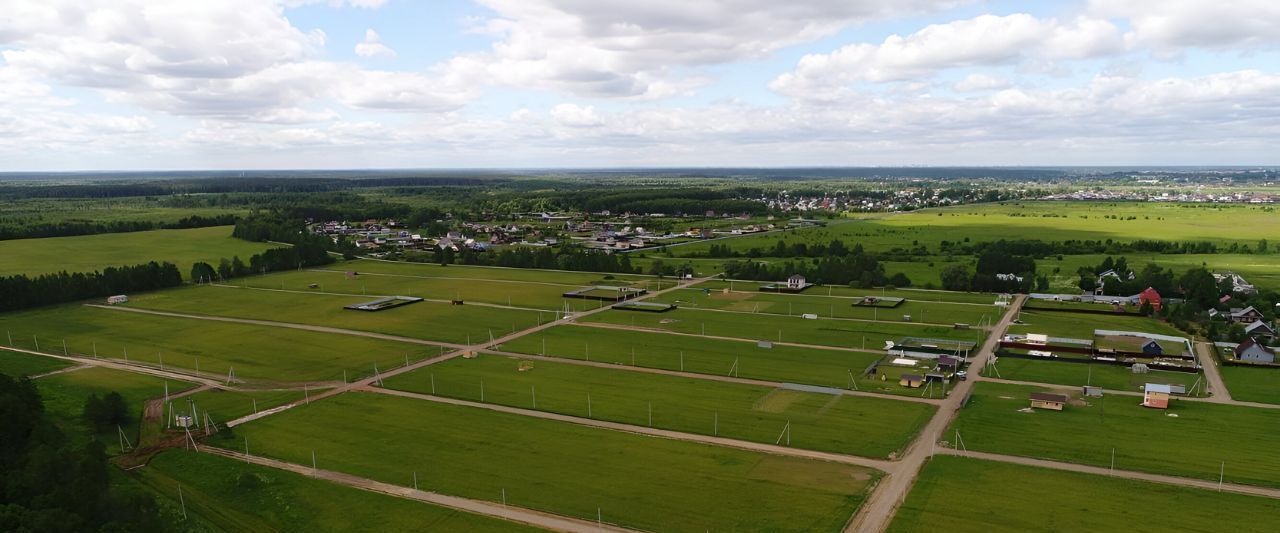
603 325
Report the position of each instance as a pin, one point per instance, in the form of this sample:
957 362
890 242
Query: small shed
117 299
934 377
947 363
1045 400
1156 395
911 380
1152 348
1092 392
796 281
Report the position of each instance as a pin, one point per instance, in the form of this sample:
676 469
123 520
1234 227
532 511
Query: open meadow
973 495
257 353
911 295
819 421
18 364
65 394
627 479
234 496
817 303
1250 384
86 253
1110 377
1190 439
431 321
1082 325
788 364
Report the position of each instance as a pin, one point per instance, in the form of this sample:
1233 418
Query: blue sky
134 84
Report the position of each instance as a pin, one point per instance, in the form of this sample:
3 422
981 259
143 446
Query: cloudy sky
138 84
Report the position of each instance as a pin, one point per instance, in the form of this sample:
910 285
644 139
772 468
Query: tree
899 280
202 272
224 269
103 413
1262 246
956 278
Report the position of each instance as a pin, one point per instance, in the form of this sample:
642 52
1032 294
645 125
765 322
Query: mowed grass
87 253
830 306
526 294
1082 325
1252 384
916 295
64 396
1194 443
870 427
973 495
631 480
18 364
787 364
794 329
563 277
1111 377
432 321
235 496
224 405
257 353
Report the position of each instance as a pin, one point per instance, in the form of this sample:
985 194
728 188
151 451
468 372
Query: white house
1250 350
796 281
117 299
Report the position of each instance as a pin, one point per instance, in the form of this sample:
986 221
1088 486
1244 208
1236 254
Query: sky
300 84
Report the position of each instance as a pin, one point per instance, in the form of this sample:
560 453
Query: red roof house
1150 296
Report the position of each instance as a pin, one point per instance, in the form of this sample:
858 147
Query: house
1260 330
1009 277
1247 315
1152 348
1238 284
1045 400
1252 351
1156 395
447 244
796 281
1149 296
911 380
947 363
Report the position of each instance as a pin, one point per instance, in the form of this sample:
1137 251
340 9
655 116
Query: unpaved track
496 510
877 464
606 325
434 300
1126 474
845 319
708 377
120 365
878 511
289 325
59 371
1209 363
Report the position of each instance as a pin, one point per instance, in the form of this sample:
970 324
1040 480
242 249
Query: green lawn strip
255 352
433 321
64 396
86 253
828 307
224 405
1112 377
870 427
973 495
1252 384
18 364
826 368
854 292
514 293
479 272
821 332
1194 443
1082 325
235 496
632 480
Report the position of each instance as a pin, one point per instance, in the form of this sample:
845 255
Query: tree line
53 485
23 292
67 228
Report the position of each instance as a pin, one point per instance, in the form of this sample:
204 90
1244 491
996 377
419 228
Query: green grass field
1082 326
234 496
562 277
913 295
18 364
972 495
1111 377
1252 384
1194 443
258 353
829 306
94 252
826 368
843 424
224 405
64 396
823 332
431 321
632 480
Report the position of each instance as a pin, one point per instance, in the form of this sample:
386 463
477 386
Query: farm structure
1157 395
796 283
382 304
1045 400
606 293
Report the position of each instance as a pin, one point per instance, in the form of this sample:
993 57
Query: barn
1156 395
1150 296
1045 400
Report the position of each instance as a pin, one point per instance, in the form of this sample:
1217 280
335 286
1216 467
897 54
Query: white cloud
1168 26
577 117
980 82
624 48
981 41
372 46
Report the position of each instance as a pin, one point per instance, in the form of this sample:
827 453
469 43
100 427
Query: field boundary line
479 507
706 377
353 295
1189 482
126 367
59 371
878 464
848 319
788 294
1209 399
449 278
